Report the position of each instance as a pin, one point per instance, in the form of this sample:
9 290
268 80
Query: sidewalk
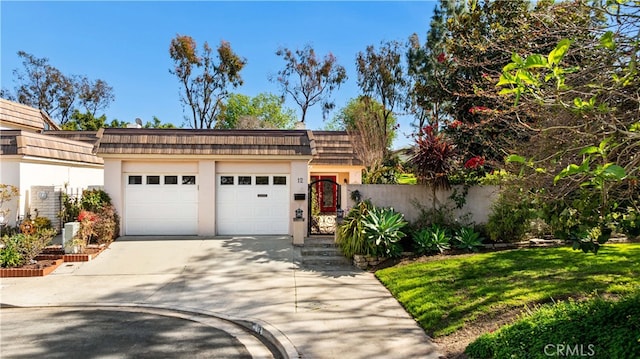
322 314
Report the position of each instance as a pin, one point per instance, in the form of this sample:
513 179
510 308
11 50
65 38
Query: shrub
10 255
431 239
509 219
42 223
106 225
468 239
21 248
383 231
606 329
94 200
349 235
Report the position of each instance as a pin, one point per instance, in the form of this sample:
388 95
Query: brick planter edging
75 257
30 272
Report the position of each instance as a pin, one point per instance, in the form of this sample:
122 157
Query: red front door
327 192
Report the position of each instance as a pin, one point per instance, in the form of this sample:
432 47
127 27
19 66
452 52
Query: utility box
69 231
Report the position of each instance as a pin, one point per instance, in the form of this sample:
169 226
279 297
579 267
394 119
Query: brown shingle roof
25 143
334 148
90 137
139 141
19 116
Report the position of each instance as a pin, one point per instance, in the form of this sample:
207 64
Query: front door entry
327 193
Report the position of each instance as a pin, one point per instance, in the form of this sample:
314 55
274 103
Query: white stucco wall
35 172
403 197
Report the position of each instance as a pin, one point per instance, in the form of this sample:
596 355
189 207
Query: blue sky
126 43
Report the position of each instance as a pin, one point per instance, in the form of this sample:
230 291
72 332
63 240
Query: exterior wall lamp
299 213
340 213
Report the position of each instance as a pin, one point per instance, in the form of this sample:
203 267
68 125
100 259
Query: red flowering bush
441 57
474 162
455 124
87 221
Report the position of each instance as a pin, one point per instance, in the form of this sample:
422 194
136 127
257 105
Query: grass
444 294
407 178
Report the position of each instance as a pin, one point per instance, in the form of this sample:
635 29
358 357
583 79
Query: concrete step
320 251
332 261
322 242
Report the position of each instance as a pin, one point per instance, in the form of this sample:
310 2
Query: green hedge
596 329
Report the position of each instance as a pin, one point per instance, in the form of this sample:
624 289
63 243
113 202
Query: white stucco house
222 182
40 160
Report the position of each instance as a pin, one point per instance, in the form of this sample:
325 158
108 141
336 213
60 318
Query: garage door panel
160 209
252 209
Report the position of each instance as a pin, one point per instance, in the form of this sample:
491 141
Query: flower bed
38 269
56 252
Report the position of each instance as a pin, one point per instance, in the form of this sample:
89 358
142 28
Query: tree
262 111
427 70
479 42
85 122
381 77
362 118
308 79
45 87
156 123
204 81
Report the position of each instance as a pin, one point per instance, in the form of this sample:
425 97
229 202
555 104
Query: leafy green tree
427 69
265 110
308 79
156 123
381 77
84 122
43 86
204 80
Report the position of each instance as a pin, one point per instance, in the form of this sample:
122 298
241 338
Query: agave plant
468 239
382 229
432 239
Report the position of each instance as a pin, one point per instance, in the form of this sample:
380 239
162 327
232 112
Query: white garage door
161 204
252 204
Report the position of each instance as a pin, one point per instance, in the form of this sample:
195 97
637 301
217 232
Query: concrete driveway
253 280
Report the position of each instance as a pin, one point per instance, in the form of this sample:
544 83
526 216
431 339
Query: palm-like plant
431 239
433 158
383 231
468 239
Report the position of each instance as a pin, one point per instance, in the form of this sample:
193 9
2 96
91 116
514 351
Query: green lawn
407 178
444 294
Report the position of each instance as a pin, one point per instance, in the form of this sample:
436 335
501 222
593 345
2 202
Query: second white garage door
252 204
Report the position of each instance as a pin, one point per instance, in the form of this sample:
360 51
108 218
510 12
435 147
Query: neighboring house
37 158
220 182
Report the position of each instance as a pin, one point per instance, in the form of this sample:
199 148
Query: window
188 179
135 179
226 180
244 180
279 180
170 179
262 180
153 179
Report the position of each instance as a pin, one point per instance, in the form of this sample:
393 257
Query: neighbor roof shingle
25 143
334 148
17 115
